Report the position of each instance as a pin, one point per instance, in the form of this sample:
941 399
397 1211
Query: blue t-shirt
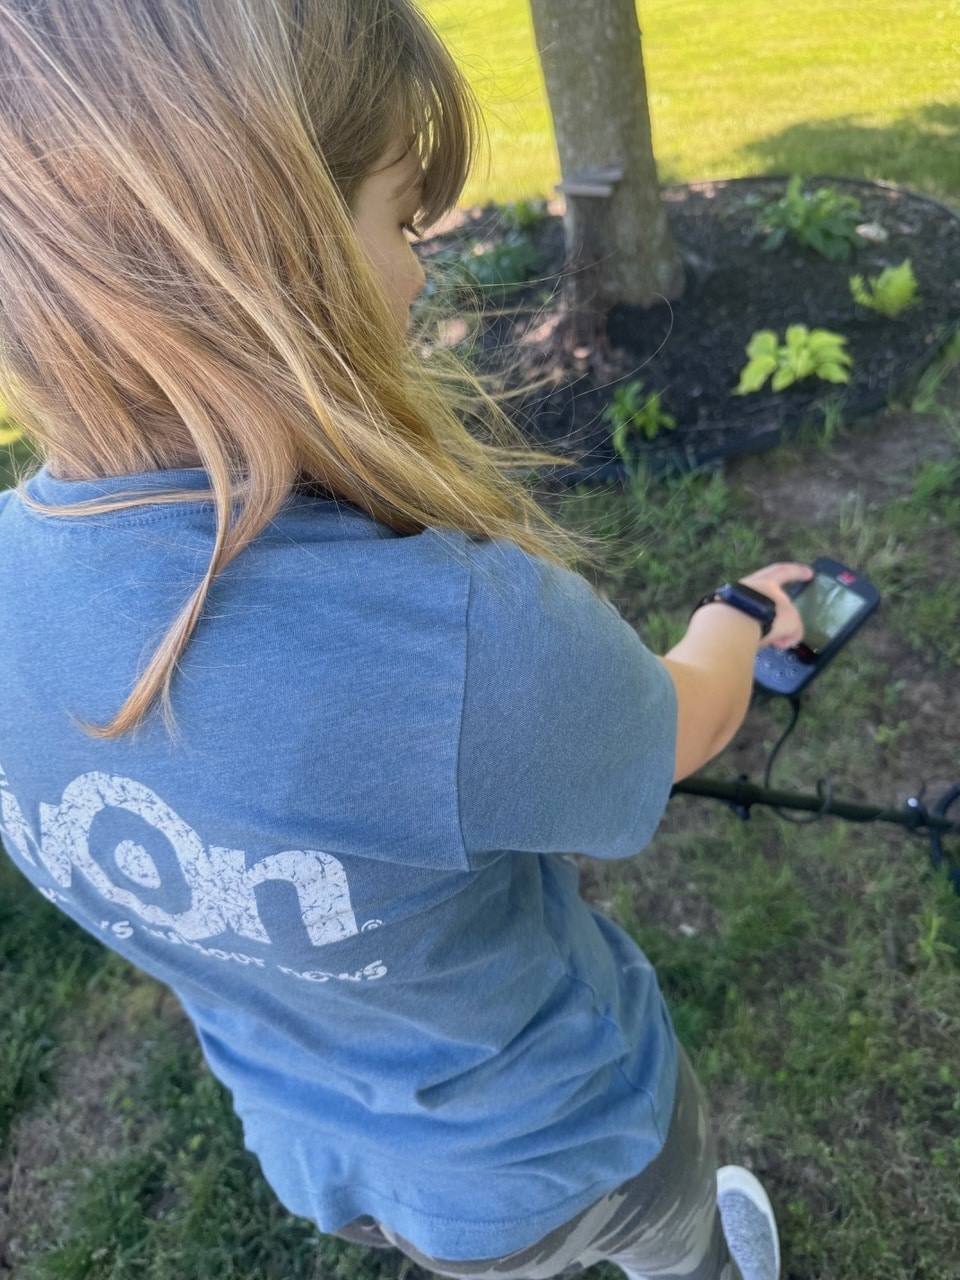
350 857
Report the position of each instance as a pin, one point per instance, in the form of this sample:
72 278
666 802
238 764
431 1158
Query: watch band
748 600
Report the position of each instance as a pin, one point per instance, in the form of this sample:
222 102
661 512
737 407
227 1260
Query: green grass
184 1199
864 90
47 968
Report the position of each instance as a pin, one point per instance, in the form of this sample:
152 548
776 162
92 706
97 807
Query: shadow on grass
921 149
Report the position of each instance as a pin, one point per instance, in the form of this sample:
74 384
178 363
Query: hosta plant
824 220
806 353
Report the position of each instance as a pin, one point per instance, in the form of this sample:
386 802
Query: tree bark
619 245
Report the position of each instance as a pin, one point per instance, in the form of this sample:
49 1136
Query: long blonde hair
180 277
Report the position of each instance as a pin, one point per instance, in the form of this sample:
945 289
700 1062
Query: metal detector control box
833 604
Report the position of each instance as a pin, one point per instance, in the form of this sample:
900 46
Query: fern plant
891 292
806 353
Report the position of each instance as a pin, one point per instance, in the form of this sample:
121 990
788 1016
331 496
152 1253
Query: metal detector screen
826 606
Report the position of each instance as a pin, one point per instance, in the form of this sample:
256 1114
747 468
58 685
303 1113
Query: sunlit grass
866 90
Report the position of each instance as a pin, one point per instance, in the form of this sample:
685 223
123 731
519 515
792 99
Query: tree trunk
619 246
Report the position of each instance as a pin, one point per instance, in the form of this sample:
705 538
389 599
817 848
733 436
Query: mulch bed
692 351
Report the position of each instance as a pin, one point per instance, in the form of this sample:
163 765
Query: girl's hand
712 665
787 628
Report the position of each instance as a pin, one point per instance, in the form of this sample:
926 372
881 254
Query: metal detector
833 608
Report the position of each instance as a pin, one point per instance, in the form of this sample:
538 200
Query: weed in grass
603 514
769 917
25 1060
935 496
706 975
114 1241
932 948
925 610
824 433
889 736
658 540
863 537
661 631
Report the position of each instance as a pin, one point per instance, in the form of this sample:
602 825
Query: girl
301 710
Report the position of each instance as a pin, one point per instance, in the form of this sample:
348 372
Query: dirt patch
875 464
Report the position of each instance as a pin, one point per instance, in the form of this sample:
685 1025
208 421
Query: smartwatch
748 600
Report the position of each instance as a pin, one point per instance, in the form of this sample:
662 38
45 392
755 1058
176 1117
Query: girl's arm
712 666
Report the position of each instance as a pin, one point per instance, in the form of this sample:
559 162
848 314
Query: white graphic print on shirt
221 885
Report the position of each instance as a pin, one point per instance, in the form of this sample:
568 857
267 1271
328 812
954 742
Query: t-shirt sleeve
569 722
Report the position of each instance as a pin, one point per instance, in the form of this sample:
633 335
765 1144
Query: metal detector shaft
742 795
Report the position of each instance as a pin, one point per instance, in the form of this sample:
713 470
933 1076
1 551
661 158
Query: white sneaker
748 1224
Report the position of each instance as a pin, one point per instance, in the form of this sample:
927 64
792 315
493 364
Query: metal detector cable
825 792
937 856
824 785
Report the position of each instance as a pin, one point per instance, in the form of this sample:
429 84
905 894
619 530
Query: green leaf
755 375
833 373
797 337
859 290
763 343
826 345
893 291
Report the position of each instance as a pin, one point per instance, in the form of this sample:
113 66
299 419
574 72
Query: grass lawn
812 971
863 89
